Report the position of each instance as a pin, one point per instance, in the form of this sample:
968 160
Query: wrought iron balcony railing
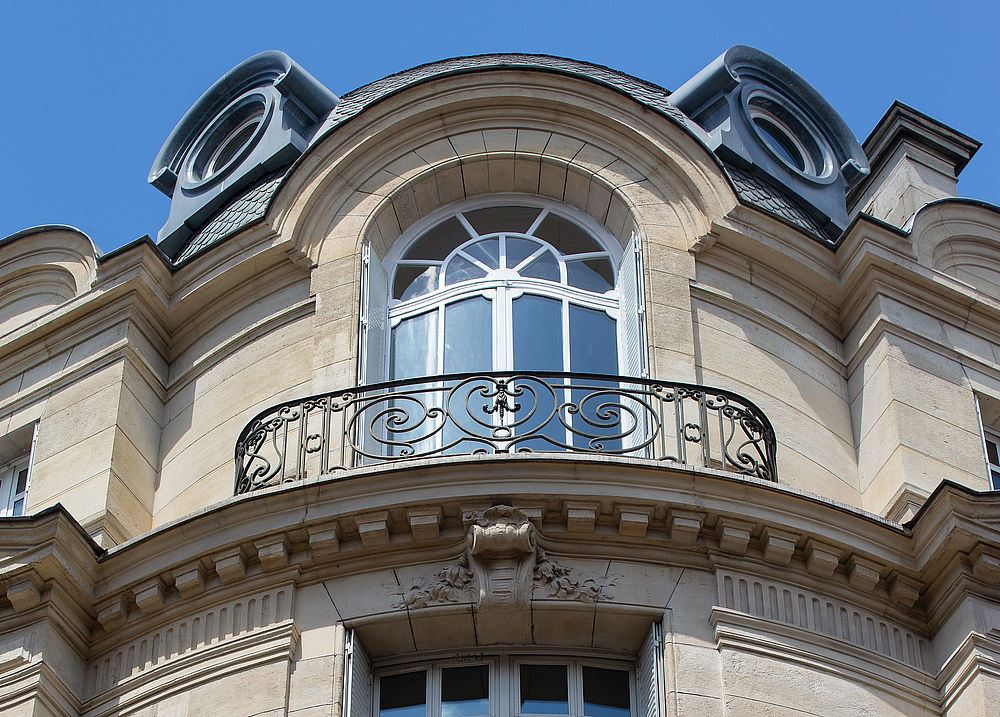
502 413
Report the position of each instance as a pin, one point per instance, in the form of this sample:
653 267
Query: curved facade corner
510 385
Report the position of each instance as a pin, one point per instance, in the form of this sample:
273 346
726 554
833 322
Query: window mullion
465 223
538 220
567 366
503 332
434 704
575 675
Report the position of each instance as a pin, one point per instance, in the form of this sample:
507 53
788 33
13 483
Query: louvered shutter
650 676
632 336
632 312
373 331
358 679
374 304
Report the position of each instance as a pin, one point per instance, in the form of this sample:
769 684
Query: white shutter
632 335
373 330
358 679
632 312
374 304
649 675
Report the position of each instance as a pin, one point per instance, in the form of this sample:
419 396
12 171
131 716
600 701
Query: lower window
508 687
14 487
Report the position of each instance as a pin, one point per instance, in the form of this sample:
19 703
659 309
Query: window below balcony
508 685
14 487
993 459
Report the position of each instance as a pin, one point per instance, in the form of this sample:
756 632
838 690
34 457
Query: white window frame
505 682
992 469
987 436
8 484
501 291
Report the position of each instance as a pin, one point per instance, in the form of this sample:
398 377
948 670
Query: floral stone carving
504 565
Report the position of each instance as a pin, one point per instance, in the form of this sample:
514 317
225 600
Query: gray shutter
632 312
649 675
374 305
358 679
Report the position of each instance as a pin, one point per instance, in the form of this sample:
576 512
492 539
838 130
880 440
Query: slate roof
758 192
252 205
644 92
249 207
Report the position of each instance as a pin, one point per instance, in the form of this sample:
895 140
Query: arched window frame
624 303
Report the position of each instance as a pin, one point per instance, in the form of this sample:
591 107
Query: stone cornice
774 525
624 509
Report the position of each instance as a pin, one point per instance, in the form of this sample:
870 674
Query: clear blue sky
93 88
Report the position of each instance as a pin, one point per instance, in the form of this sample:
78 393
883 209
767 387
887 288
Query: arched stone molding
492 132
960 238
659 168
40 269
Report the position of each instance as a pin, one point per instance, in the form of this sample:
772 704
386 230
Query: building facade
511 385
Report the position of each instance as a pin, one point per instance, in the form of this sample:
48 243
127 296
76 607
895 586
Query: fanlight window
506 287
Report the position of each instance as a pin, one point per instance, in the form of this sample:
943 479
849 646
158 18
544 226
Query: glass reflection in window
544 690
403 695
605 693
465 691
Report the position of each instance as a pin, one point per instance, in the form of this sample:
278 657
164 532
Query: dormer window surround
228 139
254 122
763 119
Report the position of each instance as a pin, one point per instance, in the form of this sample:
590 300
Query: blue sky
96 87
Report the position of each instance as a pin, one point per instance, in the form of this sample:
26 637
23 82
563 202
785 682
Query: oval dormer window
789 136
227 140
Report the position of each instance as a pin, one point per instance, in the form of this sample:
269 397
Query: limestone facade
865 580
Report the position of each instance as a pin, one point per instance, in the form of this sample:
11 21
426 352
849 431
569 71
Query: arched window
505 284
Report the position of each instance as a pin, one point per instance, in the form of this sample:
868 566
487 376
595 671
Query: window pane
544 690
414 281
605 693
565 236
486 251
414 347
594 349
461 269
593 343
18 508
778 140
590 274
995 479
991 452
544 267
468 335
502 219
403 695
22 481
438 242
537 333
519 249
538 336
465 691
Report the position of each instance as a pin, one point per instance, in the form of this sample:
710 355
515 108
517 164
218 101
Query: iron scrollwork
501 413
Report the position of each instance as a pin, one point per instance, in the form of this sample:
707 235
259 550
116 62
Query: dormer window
789 135
227 139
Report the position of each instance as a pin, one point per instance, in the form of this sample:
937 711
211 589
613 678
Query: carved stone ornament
504 565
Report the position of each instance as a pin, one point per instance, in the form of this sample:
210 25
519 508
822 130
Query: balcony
493 414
